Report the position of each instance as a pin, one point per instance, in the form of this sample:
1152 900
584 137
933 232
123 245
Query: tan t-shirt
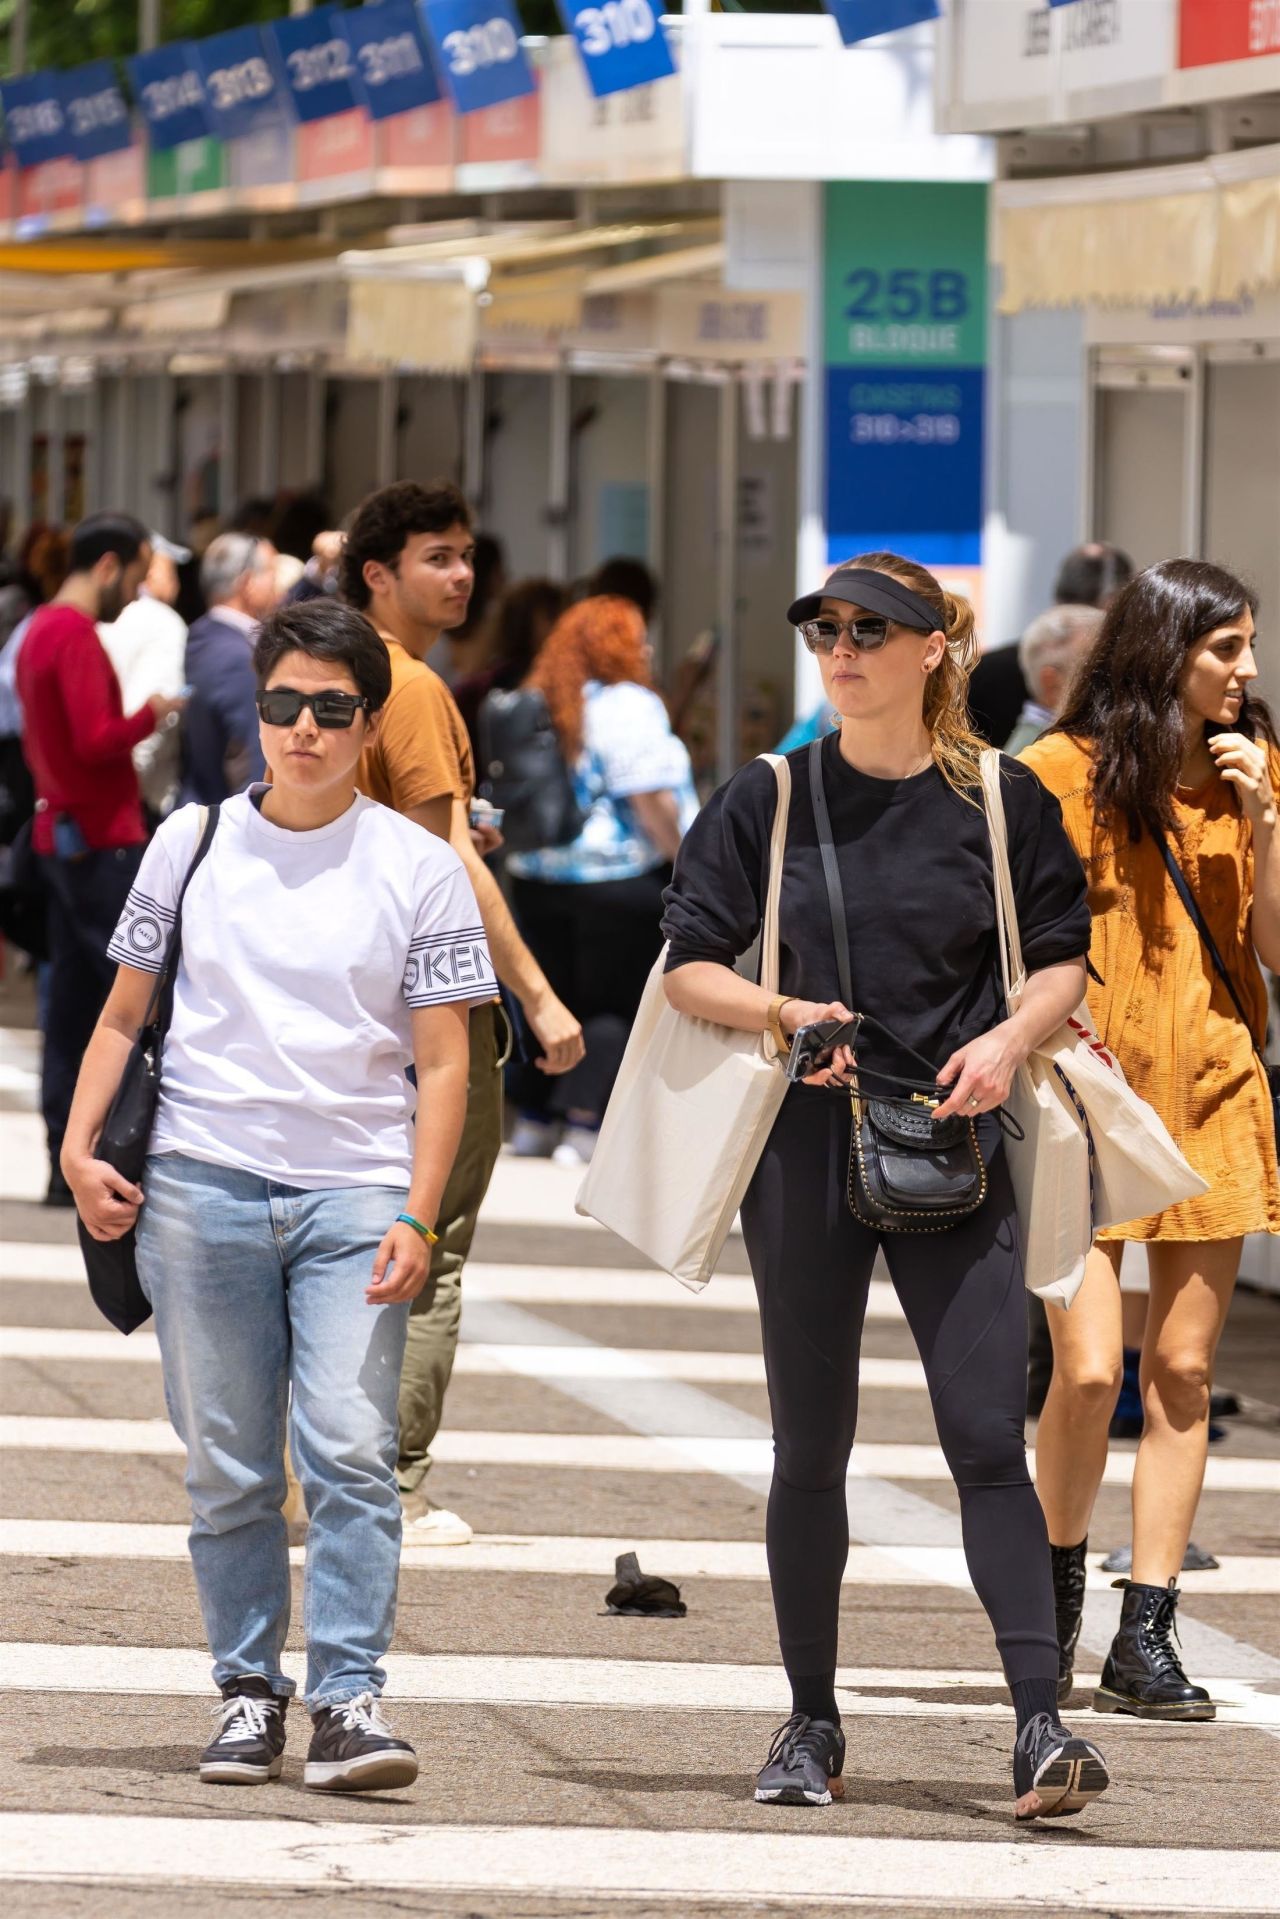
422 751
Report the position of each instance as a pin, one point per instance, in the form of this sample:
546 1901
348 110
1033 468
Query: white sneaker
534 1138
577 1146
437 1527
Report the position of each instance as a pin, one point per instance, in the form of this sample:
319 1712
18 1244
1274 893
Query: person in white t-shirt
288 1204
146 646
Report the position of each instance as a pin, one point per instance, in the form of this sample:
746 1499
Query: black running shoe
249 1747
804 1765
1054 1774
353 1749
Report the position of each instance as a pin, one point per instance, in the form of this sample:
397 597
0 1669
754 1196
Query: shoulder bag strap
1012 967
160 1005
831 870
770 958
1197 919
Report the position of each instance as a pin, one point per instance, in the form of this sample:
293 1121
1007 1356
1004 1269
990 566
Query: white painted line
625 1866
603 1452
623 1685
29 1261
590 1556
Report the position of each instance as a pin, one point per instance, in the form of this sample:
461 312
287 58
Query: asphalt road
575 1763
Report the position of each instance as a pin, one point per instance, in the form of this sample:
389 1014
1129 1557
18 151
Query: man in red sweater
88 830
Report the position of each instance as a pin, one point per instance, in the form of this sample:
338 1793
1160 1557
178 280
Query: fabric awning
1205 232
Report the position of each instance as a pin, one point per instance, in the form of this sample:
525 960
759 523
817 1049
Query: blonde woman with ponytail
899 784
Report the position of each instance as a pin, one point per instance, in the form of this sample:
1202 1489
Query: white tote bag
1093 1154
691 1110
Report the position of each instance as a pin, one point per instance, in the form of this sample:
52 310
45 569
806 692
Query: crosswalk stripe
603 1452
623 1685
591 1557
480 1358
36 1264
626 1865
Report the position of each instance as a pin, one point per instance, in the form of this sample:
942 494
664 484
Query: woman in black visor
899 785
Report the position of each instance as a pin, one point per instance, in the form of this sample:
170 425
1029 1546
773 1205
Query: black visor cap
877 592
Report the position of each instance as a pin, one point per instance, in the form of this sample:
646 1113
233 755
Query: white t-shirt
147 646
302 954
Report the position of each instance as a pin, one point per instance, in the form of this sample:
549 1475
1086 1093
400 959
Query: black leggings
963 1297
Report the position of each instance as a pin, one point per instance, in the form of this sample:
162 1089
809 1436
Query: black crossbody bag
126 1131
1197 918
908 1172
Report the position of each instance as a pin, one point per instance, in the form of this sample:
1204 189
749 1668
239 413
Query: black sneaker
353 1749
249 1748
804 1765
1054 1774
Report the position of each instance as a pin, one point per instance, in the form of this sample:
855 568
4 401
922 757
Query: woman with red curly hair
591 910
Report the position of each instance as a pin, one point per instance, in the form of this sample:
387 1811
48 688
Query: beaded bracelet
423 1232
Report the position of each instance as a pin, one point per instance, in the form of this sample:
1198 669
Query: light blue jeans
258 1288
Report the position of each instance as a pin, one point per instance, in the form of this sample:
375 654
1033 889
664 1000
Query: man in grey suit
221 754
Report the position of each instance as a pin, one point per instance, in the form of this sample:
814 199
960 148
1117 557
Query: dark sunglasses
868 635
281 706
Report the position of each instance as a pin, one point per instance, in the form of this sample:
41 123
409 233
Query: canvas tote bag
691 1110
1092 1154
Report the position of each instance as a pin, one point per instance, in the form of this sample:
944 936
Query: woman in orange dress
1161 739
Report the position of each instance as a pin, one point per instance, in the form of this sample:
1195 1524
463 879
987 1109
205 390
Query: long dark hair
1125 700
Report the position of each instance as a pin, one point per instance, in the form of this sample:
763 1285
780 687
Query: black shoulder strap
830 866
160 1006
1197 918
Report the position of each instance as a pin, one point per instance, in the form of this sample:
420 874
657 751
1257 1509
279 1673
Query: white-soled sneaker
353 1749
577 1146
534 1138
437 1526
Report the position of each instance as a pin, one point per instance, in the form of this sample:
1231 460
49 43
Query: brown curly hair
602 638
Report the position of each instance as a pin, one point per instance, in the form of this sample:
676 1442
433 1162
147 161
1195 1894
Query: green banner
196 166
906 274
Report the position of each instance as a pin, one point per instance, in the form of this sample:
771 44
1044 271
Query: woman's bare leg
1071 1439
1191 1289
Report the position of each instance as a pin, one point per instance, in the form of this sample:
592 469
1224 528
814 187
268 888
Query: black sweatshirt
915 865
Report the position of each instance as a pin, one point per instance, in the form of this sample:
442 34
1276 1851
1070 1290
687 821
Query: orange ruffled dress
1161 1007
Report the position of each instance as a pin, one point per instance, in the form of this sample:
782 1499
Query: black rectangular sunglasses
281 705
868 634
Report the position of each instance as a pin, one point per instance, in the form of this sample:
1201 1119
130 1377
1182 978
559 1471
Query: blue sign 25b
622 43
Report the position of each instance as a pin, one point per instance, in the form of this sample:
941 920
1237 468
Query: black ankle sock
815 1695
1031 1696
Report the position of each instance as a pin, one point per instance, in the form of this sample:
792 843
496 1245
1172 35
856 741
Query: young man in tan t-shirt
407 565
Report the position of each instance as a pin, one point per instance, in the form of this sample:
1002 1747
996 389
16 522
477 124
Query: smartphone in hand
813 1046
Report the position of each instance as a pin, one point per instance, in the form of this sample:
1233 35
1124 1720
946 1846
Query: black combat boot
1068 1607
1143 1674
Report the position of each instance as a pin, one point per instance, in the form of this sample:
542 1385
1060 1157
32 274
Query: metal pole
229 444
19 36
55 457
1089 448
558 457
656 473
148 25
164 484
22 464
727 746
269 432
313 451
388 405
125 439
1193 470
93 446
473 451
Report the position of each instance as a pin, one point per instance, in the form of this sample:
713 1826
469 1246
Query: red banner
1214 30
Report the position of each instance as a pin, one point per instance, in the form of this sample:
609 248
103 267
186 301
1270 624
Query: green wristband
423 1232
